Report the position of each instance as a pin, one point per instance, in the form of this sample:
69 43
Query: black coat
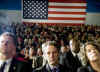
85 69
68 60
47 69
20 66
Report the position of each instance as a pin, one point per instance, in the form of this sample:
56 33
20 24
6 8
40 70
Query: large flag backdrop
55 12
13 8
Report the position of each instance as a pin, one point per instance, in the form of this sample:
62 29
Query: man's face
64 49
92 53
51 55
74 46
7 46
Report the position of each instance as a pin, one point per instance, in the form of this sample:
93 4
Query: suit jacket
68 60
76 62
85 69
19 66
47 69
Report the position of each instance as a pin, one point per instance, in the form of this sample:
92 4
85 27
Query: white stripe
66 15
54 21
66 10
67 4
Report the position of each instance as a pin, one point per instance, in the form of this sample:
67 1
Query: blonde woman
92 51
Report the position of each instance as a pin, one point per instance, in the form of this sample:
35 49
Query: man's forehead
4 37
50 48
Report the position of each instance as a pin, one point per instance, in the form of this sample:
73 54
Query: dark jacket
20 66
68 60
47 69
85 69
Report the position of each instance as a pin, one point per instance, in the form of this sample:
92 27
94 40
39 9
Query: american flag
63 12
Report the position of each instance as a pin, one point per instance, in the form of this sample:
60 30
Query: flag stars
35 9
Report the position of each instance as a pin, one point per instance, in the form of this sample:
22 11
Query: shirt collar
52 67
7 61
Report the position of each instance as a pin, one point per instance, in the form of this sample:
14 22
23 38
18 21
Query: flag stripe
73 7
66 10
66 4
54 21
69 1
66 15
64 24
78 13
62 18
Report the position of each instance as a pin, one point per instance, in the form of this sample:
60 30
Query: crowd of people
70 42
44 48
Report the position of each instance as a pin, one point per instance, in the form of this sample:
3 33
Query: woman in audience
92 51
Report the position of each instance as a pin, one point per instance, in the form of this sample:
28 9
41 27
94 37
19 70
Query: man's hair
48 43
11 35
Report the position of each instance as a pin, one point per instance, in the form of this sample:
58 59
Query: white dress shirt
7 66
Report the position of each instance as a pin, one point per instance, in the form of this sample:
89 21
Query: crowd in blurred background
30 38
33 35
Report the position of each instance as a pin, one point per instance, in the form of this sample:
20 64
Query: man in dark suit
8 61
75 54
51 54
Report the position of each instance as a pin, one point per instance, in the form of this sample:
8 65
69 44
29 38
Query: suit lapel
48 68
13 66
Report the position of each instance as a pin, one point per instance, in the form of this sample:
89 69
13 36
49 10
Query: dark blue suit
46 68
19 66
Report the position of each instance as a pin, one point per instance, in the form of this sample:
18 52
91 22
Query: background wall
93 19
93 12
14 15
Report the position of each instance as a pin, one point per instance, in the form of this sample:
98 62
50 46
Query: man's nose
52 55
5 43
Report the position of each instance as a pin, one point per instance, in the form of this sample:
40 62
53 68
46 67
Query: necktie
54 70
2 67
77 57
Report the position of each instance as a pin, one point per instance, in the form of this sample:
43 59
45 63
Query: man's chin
53 63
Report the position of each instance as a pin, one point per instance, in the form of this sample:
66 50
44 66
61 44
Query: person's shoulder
21 65
63 68
19 60
40 69
83 69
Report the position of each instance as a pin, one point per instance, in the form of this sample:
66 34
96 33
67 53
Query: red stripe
63 24
66 18
79 13
56 24
68 1
71 7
